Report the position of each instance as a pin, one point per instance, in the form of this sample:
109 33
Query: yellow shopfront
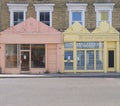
96 51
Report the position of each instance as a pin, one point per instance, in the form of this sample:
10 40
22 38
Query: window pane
99 60
68 45
11 56
47 23
68 65
41 16
21 16
47 16
90 60
76 16
104 15
90 45
25 47
18 17
38 56
68 55
80 60
15 16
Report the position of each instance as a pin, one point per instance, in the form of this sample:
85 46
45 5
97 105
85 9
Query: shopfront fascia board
76 38
30 39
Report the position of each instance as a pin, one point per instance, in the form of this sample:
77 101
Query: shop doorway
25 59
111 60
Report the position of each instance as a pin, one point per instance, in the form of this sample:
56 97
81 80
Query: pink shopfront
30 47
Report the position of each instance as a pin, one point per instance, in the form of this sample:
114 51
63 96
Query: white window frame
103 7
16 8
44 8
75 7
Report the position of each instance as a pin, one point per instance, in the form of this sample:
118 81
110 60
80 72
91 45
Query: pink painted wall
33 32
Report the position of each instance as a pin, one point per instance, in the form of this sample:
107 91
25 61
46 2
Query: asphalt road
59 92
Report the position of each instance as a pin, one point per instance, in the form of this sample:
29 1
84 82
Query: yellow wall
107 34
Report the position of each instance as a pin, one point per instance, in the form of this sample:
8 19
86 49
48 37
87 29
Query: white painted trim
44 8
72 7
104 7
16 8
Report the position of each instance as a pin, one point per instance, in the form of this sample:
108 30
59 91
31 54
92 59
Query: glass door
25 59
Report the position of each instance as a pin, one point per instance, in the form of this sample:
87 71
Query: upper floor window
17 13
103 16
76 13
77 16
18 17
45 17
44 13
103 12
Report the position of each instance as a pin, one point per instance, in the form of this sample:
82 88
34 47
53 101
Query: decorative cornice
17 6
104 6
76 6
44 6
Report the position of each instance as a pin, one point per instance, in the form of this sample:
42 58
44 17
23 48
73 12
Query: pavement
62 75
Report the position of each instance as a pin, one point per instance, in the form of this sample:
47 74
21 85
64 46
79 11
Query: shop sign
89 45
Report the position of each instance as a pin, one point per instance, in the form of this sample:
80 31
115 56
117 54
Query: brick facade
60 13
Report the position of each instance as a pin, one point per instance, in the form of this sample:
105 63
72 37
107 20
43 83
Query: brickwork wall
60 13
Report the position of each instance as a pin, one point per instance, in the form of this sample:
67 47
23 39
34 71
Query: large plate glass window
81 60
68 56
11 56
89 55
99 59
38 56
90 60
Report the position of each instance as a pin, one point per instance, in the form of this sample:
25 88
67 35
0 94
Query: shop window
68 65
68 55
38 56
44 13
11 56
68 45
25 46
103 12
45 18
90 55
90 60
99 60
81 60
90 45
17 13
76 13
